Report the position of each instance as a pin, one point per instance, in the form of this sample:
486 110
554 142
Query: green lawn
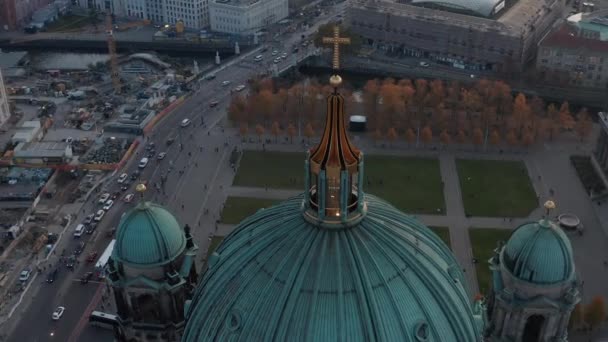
278 170
496 188
483 243
215 242
443 233
238 208
68 22
410 184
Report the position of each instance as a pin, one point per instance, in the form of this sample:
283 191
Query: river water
65 61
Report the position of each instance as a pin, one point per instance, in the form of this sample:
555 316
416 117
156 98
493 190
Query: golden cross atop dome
336 40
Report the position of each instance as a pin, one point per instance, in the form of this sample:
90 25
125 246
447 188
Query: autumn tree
521 113
291 131
445 137
495 138
259 130
461 137
512 138
527 138
595 312
426 135
309 132
553 121
410 136
391 102
275 130
583 124
392 134
371 93
565 117
477 136
243 130
237 109
377 135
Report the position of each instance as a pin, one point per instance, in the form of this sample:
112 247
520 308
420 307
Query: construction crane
112 51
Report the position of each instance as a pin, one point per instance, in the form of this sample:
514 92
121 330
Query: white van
79 230
258 58
143 162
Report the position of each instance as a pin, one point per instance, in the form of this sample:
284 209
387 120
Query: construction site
66 130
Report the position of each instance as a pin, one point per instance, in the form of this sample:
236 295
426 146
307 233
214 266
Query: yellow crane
112 52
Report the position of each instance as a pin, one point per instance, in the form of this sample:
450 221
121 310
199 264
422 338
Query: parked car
91 257
108 205
135 175
239 87
115 195
275 52
91 227
277 60
79 248
128 198
161 155
99 215
213 103
424 64
58 313
170 140
122 178
89 219
210 77
226 83
186 123
104 198
143 162
24 275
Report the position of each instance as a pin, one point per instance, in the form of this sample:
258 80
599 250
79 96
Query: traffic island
493 188
483 243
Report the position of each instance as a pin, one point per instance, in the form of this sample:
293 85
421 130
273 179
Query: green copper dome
281 277
148 236
539 253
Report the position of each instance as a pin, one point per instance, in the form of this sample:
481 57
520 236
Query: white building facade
4 108
245 16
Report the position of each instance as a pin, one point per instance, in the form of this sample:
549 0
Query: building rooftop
11 59
236 3
567 36
484 8
41 149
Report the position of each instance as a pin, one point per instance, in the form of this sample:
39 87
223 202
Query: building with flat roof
576 52
48 153
466 34
29 131
245 16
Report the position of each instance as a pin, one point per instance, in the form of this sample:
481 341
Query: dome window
421 332
234 321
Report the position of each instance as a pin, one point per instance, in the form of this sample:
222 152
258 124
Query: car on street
424 64
213 103
186 123
89 219
58 313
258 58
99 215
225 83
135 175
24 275
124 187
122 178
295 49
275 52
115 195
91 257
151 154
284 55
108 205
128 198
104 198
79 248
161 155
170 140
143 162
210 77
277 60
91 227
150 146
69 263
52 276
86 278
240 87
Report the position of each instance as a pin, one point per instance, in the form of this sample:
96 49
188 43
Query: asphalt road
195 179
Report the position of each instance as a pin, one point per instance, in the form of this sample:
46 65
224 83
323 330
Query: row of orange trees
416 111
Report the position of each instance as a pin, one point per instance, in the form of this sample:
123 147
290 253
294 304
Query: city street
196 178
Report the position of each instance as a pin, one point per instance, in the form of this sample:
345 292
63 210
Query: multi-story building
245 16
499 35
16 13
576 52
4 108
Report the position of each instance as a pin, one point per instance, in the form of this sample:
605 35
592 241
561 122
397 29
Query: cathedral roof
281 276
539 253
148 236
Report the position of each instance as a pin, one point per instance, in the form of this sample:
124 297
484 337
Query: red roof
567 37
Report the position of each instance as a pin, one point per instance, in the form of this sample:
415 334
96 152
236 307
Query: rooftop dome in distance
148 236
539 253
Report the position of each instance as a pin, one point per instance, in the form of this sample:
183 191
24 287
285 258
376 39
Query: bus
103 320
103 260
